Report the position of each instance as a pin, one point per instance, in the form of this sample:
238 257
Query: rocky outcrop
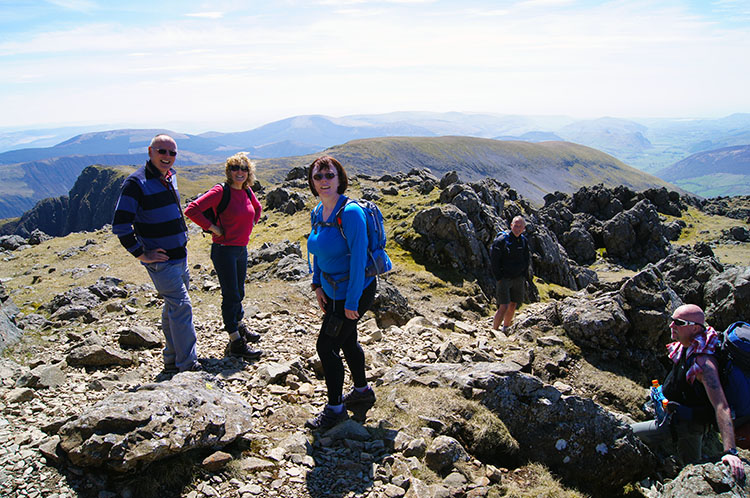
625 223
48 215
89 206
129 430
636 235
285 258
390 306
727 297
708 479
687 270
9 332
566 433
737 207
457 234
285 200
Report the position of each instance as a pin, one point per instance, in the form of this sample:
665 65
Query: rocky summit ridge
462 410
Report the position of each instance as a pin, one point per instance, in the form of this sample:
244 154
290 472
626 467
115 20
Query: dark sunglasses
235 167
319 176
681 323
164 152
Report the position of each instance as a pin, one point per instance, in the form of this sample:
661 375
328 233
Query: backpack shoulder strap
338 216
224 202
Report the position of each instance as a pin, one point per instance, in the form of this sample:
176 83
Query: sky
230 65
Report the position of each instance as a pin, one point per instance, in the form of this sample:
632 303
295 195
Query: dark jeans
328 347
230 263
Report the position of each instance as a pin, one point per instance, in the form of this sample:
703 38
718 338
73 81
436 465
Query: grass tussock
548 291
612 389
534 481
479 430
703 227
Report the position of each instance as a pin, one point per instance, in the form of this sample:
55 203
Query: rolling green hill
533 169
719 172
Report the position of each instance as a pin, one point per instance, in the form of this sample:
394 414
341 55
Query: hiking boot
326 419
195 367
355 398
247 334
170 368
239 348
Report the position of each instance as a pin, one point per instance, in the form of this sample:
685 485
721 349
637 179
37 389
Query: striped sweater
148 215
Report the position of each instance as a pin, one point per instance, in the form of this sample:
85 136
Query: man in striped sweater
149 223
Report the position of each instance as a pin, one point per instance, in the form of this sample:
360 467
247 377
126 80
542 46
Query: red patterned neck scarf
705 342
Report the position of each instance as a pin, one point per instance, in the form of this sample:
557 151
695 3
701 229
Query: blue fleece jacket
337 256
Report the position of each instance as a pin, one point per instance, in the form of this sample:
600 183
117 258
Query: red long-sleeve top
237 220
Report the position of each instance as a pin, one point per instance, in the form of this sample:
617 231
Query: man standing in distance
149 223
509 256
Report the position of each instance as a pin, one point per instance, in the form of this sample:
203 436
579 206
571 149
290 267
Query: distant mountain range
532 169
30 174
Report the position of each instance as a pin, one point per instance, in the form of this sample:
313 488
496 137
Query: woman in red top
231 233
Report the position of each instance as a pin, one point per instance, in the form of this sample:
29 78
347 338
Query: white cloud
618 58
206 15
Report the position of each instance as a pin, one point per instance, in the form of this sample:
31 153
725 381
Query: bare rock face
130 429
390 306
727 297
569 433
285 200
649 304
636 235
598 323
9 332
687 270
566 433
708 479
42 377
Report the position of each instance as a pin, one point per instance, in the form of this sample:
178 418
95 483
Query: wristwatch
314 286
732 451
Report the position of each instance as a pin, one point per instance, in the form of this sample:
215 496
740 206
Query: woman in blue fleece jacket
343 292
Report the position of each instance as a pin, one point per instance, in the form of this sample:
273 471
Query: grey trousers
689 437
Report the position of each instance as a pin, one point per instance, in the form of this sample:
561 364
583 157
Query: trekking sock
233 336
362 389
336 408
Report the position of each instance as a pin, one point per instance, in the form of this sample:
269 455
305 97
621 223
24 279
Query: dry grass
535 481
478 429
702 227
610 389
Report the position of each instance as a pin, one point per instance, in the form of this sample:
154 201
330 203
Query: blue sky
234 65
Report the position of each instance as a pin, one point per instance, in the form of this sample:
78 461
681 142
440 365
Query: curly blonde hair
240 159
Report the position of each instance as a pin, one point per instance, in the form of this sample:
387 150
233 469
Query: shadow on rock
346 457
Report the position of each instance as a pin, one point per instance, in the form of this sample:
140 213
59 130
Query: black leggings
328 347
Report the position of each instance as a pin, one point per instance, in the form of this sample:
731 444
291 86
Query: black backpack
212 216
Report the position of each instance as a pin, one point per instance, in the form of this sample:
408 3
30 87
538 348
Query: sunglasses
235 167
164 152
319 176
681 323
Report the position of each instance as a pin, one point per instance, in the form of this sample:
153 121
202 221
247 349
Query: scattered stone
216 461
138 337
